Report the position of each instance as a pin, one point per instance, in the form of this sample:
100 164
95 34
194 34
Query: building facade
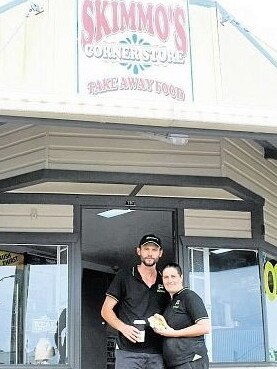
193 171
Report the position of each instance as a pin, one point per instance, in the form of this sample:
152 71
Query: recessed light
221 251
114 212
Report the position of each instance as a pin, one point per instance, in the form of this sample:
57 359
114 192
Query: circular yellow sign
270 269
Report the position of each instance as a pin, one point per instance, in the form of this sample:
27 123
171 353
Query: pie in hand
157 321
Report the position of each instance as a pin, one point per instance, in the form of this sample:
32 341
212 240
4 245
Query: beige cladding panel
31 148
244 163
36 218
250 166
155 168
131 153
61 137
22 164
215 223
22 149
18 148
16 133
270 217
151 158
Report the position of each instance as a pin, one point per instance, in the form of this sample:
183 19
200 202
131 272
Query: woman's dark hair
175 266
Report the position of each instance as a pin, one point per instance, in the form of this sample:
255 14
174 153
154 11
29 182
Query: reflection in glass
33 305
231 288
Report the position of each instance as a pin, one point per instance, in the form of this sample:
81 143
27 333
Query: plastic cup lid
139 322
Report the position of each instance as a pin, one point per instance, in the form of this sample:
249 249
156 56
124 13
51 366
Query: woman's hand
167 331
157 321
160 326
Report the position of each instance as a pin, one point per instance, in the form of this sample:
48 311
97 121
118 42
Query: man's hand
130 332
107 312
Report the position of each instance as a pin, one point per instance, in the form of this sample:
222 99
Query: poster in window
8 258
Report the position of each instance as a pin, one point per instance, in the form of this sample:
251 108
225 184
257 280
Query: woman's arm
201 327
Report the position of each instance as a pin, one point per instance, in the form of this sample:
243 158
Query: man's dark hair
175 266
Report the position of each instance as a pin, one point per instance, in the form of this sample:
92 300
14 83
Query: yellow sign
270 280
10 258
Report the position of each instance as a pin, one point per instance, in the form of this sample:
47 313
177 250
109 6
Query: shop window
33 305
270 290
229 283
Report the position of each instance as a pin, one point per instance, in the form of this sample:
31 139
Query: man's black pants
196 364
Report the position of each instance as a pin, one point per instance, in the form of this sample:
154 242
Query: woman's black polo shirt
137 301
184 310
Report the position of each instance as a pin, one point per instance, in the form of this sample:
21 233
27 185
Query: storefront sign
10 258
134 49
270 280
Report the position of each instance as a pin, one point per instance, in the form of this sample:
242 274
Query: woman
183 324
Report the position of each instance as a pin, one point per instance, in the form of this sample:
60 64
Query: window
229 283
33 305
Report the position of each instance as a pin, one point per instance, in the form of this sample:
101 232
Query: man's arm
107 312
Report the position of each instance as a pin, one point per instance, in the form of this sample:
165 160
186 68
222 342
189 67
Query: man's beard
149 262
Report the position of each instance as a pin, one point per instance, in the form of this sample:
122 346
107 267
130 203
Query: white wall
248 78
226 66
38 54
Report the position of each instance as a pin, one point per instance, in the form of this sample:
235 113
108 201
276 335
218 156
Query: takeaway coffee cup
140 325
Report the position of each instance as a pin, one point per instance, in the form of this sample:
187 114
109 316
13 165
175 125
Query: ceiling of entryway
125 190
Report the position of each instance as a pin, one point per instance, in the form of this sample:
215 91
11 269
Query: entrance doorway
97 349
109 244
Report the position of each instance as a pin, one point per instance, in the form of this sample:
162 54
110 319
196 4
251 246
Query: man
136 294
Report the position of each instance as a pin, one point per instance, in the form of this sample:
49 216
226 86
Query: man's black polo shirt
184 310
137 301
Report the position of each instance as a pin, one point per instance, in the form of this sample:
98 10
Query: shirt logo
176 305
160 288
